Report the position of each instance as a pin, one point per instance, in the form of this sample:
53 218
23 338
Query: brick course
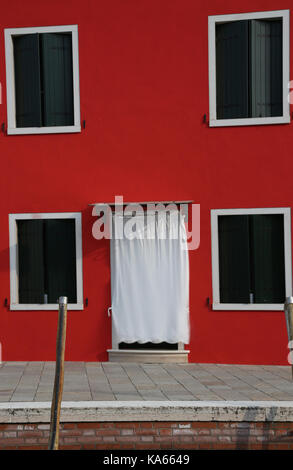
146 435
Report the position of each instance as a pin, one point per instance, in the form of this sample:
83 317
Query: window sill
249 307
43 130
39 307
249 121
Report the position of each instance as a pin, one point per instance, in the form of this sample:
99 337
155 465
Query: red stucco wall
144 91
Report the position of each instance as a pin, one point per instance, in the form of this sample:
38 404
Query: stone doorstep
115 411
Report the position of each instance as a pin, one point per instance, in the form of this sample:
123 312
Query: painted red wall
144 91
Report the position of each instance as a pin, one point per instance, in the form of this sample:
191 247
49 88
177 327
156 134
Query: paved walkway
33 381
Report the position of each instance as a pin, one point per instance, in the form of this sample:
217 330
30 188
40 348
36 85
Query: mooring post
59 375
289 322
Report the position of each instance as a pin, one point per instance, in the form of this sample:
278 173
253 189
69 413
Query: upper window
251 256
249 68
42 80
45 260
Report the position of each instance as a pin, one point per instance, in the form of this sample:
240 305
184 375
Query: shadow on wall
99 249
4 260
262 435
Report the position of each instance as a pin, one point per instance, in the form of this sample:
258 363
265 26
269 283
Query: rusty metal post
289 322
59 375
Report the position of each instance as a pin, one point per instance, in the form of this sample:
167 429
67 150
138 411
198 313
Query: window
249 68
251 258
42 80
45 260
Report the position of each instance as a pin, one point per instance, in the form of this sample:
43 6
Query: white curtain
150 280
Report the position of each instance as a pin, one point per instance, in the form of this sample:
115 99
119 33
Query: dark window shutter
234 259
276 68
266 68
60 259
267 235
232 73
30 261
57 78
27 80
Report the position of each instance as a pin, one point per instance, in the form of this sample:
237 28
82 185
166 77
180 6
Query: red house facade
160 101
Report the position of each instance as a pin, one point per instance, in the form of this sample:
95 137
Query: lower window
45 260
251 256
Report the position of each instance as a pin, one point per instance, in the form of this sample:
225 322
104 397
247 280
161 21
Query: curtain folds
150 279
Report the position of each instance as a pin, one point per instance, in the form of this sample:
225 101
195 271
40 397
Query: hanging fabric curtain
150 279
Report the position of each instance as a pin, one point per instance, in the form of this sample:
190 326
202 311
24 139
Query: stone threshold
123 411
148 356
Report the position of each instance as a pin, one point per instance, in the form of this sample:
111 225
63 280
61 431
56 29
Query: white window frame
213 20
10 81
215 213
13 250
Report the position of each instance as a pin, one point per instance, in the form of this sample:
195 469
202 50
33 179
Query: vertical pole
59 375
289 322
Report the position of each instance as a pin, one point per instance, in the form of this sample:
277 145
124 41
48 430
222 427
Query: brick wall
151 435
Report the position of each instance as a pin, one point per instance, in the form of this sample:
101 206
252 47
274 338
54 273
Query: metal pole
59 375
289 322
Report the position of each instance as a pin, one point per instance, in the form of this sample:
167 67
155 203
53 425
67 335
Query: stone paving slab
94 381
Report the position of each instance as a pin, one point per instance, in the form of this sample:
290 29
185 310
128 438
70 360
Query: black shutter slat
267 232
232 70
30 261
60 259
234 259
57 78
276 68
266 68
260 63
27 80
